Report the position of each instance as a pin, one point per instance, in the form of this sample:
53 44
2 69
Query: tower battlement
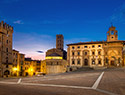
6 26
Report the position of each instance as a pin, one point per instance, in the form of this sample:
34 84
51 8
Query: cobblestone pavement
94 82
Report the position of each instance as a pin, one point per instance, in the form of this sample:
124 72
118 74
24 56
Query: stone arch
113 61
86 52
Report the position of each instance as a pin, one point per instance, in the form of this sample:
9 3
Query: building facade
97 54
56 58
18 61
6 58
34 67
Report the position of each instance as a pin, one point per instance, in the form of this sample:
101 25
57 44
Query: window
21 62
73 53
78 62
85 46
78 47
7 41
7 50
93 53
73 62
93 46
85 53
106 60
51 63
7 61
73 47
78 53
116 33
99 62
99 52
93 62
7 66
119 60
21 68
99 45
112 32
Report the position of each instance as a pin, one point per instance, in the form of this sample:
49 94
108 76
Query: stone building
56 57
34 67
18 61
97 54
6 58
55 64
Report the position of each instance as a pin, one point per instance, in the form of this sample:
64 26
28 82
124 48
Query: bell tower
112 34
59 42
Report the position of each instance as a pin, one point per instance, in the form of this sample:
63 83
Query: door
86 62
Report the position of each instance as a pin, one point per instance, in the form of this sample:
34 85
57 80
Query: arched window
93 61
112 32
85 53
99 62
106 60
78 61
73 62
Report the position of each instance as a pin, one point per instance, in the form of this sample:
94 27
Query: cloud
29 43
119 15
18 22
40 51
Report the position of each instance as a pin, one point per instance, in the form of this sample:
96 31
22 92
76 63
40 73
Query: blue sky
36 22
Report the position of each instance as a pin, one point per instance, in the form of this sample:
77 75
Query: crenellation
6 26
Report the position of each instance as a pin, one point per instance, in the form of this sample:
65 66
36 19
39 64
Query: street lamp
15 70
30 71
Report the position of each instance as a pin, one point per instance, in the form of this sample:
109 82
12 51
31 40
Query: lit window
93 62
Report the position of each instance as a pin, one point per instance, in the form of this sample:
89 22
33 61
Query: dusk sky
36 22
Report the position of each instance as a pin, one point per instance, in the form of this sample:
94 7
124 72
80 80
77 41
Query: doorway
86 62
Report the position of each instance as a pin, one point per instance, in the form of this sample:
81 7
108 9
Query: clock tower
112 34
